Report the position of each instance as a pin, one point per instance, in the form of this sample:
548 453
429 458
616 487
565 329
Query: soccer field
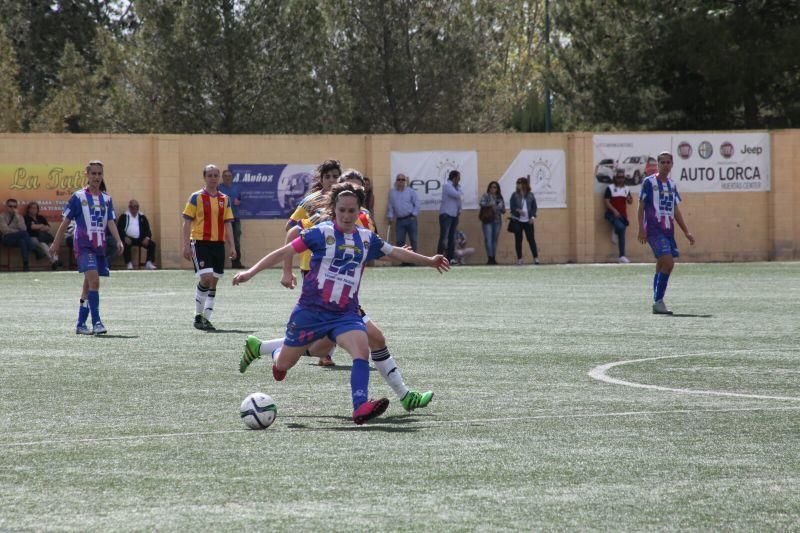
532 425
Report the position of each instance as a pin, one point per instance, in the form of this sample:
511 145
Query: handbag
512 225
486 214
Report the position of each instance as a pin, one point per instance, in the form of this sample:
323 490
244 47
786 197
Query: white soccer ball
258 411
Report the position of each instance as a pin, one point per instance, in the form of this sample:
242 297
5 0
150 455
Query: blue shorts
305 326
88 260
663 245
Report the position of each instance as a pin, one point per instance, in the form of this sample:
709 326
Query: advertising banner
546 172
48 185
428 171
703 162
270 191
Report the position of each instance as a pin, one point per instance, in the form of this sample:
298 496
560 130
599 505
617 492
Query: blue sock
359 382
655 286
662 286
94 306
83 313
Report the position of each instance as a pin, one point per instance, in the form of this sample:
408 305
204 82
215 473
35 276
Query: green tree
10 98
67 107
678 64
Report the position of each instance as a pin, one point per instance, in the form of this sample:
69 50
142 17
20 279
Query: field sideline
561 403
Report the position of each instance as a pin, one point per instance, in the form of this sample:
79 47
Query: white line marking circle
599 373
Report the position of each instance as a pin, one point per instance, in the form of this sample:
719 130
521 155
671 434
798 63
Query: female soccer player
207 226
328 304
323 348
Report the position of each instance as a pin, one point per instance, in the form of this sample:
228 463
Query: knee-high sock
267 347
656 277
83 312
661 287
208 309
386 365
359 382
200 295
94 306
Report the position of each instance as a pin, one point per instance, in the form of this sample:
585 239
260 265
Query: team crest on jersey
201 263
329 240
84 202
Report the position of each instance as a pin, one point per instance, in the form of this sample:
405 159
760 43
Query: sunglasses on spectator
664 161
401 179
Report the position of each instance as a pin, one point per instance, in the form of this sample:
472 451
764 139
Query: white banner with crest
428 171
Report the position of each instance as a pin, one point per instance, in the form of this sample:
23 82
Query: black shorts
207 257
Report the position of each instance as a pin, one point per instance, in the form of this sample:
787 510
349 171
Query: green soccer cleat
413 400
207 325
198 322
252 351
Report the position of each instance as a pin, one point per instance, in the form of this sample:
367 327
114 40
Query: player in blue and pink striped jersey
658 213
93 212
328 304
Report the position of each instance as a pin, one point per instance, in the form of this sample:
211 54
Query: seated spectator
134 230
462 251
39 230
13 233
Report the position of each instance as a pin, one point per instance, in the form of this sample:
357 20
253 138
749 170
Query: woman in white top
523 211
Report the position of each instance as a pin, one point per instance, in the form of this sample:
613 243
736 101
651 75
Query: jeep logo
752 150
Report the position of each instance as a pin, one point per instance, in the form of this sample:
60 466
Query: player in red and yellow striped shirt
207 226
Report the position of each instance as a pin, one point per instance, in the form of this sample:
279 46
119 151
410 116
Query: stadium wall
162 170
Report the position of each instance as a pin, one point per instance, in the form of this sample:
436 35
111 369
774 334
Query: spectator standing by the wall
134 228
232 191
452 196
492 202
403 210
616 198
523 212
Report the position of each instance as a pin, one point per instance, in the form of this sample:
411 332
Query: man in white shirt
134 229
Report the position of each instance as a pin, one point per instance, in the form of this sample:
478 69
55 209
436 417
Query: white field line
599 373
422 424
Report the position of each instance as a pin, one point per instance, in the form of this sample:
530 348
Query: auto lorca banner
703 162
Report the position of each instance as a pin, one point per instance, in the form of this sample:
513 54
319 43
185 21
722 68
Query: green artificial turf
140 429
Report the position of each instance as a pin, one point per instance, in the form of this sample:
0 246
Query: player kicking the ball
328 304
323 348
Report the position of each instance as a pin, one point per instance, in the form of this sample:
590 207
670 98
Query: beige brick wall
161 171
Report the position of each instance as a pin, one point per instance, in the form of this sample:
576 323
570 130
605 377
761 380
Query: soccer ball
258 411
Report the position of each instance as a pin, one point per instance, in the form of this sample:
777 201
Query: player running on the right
658 213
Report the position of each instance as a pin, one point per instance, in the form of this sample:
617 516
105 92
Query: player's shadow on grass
690 315
389 424
107 336
238 331
338 367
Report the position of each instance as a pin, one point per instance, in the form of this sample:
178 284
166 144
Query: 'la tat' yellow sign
48 185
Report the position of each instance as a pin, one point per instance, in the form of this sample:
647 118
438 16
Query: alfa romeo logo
705 150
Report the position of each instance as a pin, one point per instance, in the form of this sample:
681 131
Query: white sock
386 365
200 295
208 309
267 347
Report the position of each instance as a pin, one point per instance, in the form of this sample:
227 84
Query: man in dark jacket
134 229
